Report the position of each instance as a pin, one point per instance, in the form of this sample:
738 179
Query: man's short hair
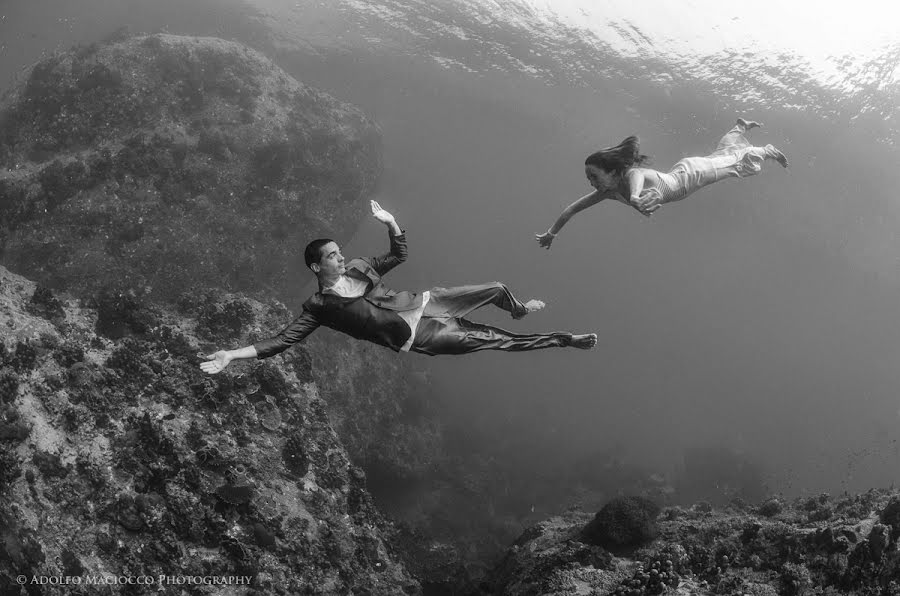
313 252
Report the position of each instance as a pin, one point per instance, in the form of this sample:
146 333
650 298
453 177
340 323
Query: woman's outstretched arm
546 239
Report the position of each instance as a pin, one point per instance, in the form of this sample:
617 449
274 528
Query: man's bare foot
534 305
530 307
748 124
777 155
585 341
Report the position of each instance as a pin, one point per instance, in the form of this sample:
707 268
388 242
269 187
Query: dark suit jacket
372 317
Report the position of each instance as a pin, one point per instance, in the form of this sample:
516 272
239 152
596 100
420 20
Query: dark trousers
443 330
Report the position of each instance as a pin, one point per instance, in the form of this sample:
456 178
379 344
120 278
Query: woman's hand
545 239
648 202
216 362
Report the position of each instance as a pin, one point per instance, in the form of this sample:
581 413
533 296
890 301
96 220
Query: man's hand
216 362
545 239
380 214
648 202
385 218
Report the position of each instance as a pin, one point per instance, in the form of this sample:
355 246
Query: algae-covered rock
137 463
170 169
624 522
717 552
168 162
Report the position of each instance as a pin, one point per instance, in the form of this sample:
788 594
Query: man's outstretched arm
398 251
299 328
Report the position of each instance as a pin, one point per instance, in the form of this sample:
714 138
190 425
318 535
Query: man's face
332 262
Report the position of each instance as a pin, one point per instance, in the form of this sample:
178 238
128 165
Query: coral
9 385
76 418
294 456
879 538
210 456
263 536
68 353
821 514
795 579
656 580
130 359
624 522
269 415
223 321
194 436
71 564
44 304
702 507
334 471
92 472
11 429
242 553
10 468
122 312
174 342
183 505
215 392
49 464
890 516
272 381
153 440
771 507
25 357
22 548
86 385
128 514
302 364
236 495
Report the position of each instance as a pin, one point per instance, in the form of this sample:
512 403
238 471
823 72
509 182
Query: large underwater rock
157 174
169 162
163 167
812 545
119 457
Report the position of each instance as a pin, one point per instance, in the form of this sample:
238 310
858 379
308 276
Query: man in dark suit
353 299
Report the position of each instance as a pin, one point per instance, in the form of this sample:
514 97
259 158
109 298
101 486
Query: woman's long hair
619 158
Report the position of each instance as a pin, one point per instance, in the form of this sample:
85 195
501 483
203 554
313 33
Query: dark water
758 314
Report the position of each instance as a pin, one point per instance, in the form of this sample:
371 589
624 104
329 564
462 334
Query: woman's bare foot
748 124
530 307
777 155
585 341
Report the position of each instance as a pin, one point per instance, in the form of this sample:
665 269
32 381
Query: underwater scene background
751 327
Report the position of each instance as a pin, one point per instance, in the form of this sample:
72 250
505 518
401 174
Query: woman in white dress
616 173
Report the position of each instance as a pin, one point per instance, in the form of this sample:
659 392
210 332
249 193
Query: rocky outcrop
167 163
817 545
119 457
150 177
165 168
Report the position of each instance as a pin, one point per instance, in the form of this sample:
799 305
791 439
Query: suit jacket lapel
356 273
